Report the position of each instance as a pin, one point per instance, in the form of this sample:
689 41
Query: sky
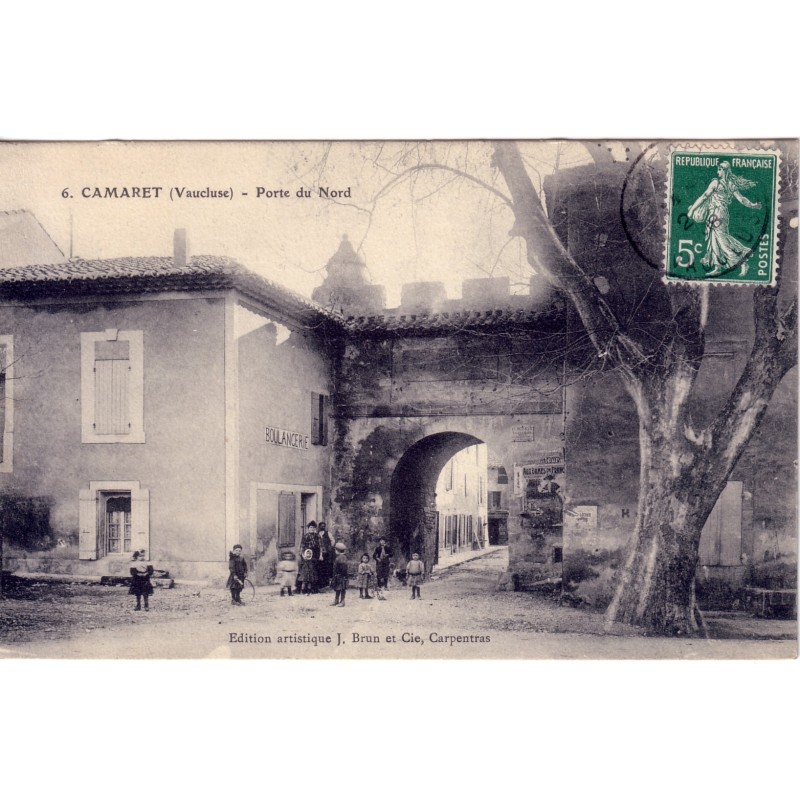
407 226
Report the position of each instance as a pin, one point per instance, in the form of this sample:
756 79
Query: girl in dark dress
141 587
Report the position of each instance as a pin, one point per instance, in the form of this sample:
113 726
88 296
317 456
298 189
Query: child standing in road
365 574
287 571
306 574
141 587
340 574
237 572
416 573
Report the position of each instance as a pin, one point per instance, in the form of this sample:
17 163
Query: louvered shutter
87 525
140 520
323 414
315 420
287 519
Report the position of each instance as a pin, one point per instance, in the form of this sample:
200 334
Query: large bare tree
682 470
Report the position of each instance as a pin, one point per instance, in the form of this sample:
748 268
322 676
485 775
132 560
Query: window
112 387
6 402
319 418
558 555
494 499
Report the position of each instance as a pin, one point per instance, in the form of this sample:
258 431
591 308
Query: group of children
291 576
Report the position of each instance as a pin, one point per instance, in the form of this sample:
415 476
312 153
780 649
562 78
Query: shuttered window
2 398
6 402
112 386
721 539
287 519
112 369
319 418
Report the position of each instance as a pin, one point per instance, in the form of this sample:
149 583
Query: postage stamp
722 215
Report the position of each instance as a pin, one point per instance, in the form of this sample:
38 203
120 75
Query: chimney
180 248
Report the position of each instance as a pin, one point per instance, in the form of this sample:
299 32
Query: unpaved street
460 615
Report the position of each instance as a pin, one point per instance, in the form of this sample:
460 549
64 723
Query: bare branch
444 168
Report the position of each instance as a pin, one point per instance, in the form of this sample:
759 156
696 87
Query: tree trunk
656 585
656 589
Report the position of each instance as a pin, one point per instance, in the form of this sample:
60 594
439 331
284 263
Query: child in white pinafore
287 572
416 574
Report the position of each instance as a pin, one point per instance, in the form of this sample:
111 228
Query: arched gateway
418 384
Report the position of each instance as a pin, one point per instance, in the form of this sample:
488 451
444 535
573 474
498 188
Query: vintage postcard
449 399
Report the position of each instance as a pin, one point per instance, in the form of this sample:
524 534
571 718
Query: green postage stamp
722 219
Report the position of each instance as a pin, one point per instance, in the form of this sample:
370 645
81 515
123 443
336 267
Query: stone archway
412 513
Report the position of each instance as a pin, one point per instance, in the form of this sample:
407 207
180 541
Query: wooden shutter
140 520
2 412
112 369
319 418
287 519
266 519
323 414
721 540
87 525
730 534
112 393
315 420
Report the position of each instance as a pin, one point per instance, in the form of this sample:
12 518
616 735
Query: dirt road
460 615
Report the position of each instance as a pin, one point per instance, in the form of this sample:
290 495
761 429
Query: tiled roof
449 320
150 274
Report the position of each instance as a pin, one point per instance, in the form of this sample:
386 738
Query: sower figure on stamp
237 572
141 586
723 251
383 559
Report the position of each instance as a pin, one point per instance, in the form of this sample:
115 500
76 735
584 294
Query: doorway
279 514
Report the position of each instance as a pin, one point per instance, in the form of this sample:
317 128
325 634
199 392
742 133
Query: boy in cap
340 574
237 568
